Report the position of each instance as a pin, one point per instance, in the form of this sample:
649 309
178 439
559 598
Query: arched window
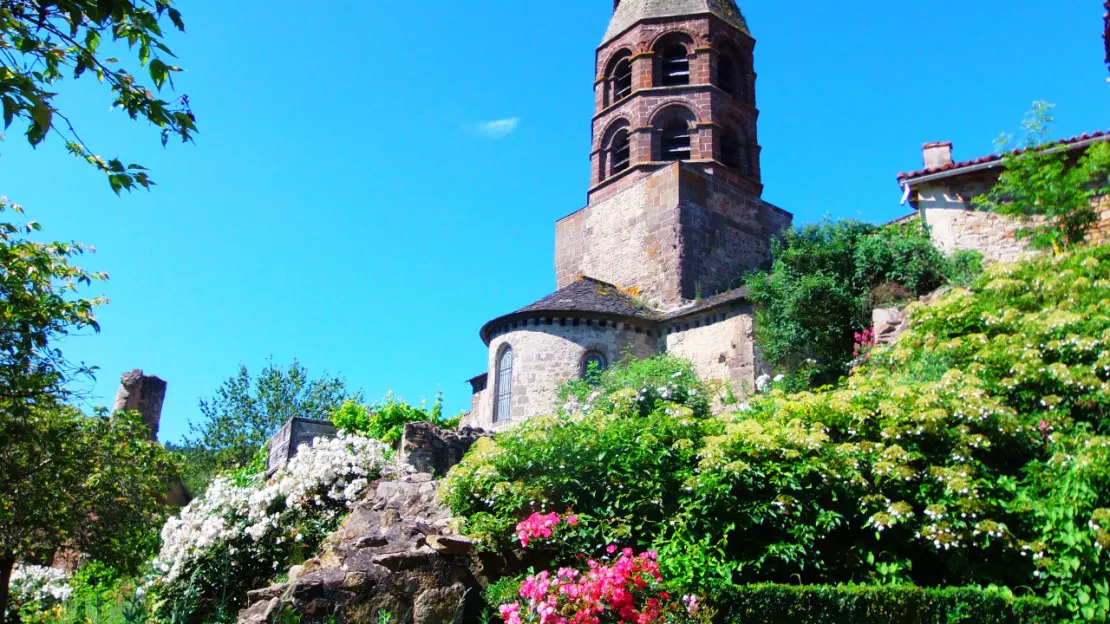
730 149
593 365
503 410
620 153
736 151
674 66
674 142
622 80
726 75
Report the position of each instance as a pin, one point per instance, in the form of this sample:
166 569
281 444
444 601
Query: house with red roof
942 194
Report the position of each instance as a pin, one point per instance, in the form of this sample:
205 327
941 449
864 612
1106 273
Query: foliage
972 452
772 604
43 43
245 527
386 419
36 589
91 484
824 280
37 309
246 410
1046 187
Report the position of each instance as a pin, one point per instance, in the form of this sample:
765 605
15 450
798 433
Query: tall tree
246 409
66 478
93 484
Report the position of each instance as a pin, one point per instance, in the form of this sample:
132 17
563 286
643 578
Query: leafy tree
69 481
1046 187
246 410
823 282
44 42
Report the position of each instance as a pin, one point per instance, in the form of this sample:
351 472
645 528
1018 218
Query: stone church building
674 217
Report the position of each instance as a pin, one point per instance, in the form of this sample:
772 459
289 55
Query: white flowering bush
36 589
247 528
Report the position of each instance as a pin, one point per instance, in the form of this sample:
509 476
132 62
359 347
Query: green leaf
42 115
11 107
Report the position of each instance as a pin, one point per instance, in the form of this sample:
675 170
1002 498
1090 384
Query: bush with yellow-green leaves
972 453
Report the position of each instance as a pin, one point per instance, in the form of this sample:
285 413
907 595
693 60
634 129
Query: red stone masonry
712 109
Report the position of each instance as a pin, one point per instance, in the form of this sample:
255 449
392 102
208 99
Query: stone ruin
144 394
394 553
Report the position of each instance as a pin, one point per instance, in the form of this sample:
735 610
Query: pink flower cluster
864 342
540 525
627 591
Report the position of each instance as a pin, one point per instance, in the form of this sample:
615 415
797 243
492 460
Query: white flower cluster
329 474
32 584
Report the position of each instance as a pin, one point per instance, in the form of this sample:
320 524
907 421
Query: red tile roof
905 177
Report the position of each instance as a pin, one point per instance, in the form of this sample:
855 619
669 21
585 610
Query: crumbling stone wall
144 394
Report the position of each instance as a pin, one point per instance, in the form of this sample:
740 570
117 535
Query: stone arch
618 76
735 148
734 70
615 148
503 365
673 53
673 126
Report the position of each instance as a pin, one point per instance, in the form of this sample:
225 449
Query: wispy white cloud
498 128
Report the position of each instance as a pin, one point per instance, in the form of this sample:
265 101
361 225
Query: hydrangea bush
972 452
36 589
247 528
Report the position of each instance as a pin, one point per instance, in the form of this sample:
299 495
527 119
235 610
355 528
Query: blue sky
349 202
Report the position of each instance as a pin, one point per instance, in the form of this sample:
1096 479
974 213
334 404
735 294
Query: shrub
823 283
245 528
386 419
772 604
973 452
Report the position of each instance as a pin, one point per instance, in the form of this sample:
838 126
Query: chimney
938 154
144 394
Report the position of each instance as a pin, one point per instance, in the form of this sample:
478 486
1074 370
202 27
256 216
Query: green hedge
790 604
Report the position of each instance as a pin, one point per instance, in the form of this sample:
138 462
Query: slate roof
585 296
1073 142
591 295
630 12
697 307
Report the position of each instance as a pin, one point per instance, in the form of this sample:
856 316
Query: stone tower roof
630 12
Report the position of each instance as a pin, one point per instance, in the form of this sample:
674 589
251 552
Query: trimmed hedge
854 604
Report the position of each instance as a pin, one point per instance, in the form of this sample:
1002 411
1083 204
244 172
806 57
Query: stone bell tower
674 207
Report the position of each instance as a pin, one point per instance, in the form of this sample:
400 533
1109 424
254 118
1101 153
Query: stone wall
955 224
726 231
683 232
721 347
630 239
992 235
545 356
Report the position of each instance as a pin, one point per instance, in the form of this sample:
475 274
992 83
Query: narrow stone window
726 75
675 66
622 80
674 143
593 365
504 407
730 150
619 153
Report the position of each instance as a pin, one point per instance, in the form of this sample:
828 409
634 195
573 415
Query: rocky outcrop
433 450
394 554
